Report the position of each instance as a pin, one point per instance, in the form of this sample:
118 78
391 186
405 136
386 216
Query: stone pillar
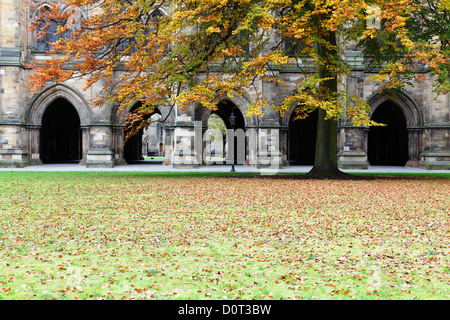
84 144
436 154
185 150
269 154
118 145
252 146
13 134
100 154
436 136
33 143
13 153
414 147
284 140
199 143
169 142
353 148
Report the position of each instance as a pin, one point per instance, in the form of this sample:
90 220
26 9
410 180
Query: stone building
57 124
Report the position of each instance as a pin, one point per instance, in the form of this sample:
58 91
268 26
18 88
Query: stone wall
266 139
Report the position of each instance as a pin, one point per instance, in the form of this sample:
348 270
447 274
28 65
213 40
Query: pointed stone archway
398 143
388 145
302 135
235 144
245 134
133 148
60 137
298 137
58 109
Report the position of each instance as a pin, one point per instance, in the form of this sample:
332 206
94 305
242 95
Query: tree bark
325 162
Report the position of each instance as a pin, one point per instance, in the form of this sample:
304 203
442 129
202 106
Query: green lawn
111 235
155 158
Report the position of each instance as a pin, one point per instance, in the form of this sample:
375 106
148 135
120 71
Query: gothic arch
49 95
403 101
119 117
42 43
241 102
399 142
131 150
35 115
285 119
300 136
77 12
161 10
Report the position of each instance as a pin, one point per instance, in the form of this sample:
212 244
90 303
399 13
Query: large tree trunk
325 163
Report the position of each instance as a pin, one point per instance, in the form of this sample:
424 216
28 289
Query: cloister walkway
156 167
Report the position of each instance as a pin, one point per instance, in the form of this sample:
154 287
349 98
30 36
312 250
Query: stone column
284 136
353 148
118 145
169 143
251 134
13 134
13 153
269 154
100 154
34 133
436 135
185 150
436 154
199 143
414 147
84 144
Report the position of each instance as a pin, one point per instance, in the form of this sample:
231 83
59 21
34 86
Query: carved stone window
49 29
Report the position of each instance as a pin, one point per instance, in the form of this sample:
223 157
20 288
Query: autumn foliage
100 235
184 52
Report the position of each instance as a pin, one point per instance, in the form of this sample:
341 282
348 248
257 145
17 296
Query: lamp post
210 143
232 122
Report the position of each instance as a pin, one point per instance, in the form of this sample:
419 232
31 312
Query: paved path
156 167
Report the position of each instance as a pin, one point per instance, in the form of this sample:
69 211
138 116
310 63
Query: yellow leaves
255 108
192 55
358 112
407 42
198 94
213 29
258 66
233 51
444 5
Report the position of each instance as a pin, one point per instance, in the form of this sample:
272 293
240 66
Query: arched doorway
388 145
220 118
302 139
216 140
136 149
152 146
60 138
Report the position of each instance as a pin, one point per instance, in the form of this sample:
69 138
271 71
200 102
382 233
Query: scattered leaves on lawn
136 236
